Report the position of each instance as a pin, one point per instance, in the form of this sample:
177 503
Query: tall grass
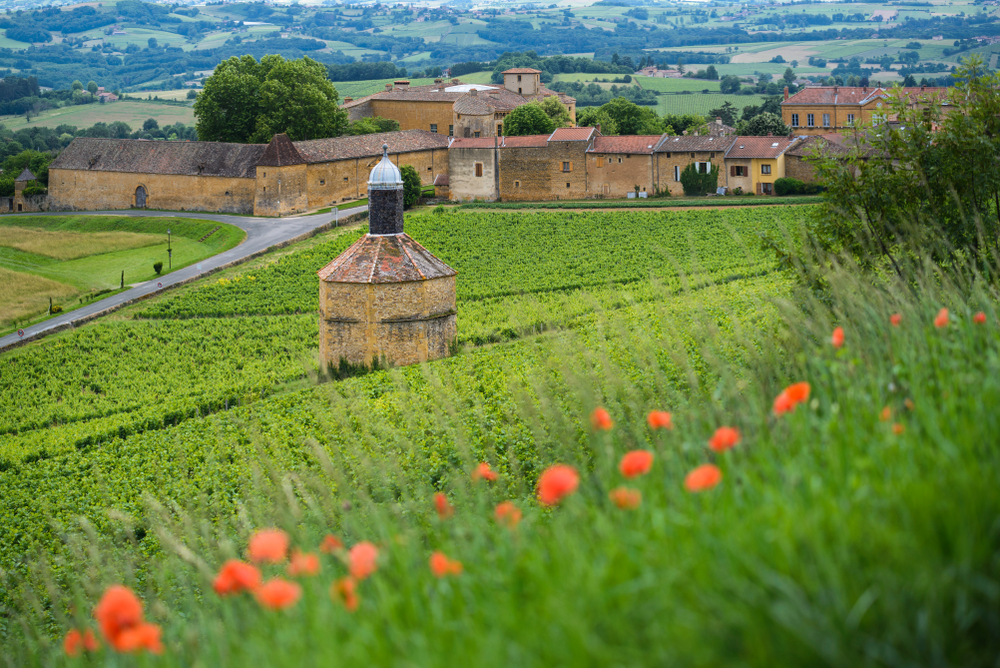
835 538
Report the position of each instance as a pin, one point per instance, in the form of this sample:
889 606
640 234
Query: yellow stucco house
753 164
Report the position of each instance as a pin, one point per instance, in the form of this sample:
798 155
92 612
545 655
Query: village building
674 153
818 110
275 179
753 164
386 300
455 109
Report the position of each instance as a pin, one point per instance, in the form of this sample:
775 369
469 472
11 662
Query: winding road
262 234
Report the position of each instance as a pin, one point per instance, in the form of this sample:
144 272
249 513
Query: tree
762 125
712 73
150 124
528 119
788 76
76 85
411 186
249 101
372 125
152 42
910 81
680 65
631 119
192 94
556 111
699 183
590 117
36 161
727 112
730 84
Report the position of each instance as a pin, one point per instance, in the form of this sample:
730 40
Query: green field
132 112
141 37
7 43
677 85
78 255
699 103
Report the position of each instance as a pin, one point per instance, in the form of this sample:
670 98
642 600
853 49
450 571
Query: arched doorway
140 197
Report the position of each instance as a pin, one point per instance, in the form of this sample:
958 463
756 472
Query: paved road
262 233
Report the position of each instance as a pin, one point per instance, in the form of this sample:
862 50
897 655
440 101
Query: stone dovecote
386 299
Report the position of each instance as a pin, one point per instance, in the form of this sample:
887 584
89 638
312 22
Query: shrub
787 186
411 185
438 210
158 267
695 183
55 309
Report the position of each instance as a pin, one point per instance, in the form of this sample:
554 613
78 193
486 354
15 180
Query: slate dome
385 175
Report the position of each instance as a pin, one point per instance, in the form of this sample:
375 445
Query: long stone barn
275 179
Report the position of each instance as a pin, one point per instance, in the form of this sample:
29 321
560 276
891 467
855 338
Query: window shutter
571 166
732 171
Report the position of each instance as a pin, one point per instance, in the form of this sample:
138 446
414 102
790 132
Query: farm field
132 112
66 257
225 447
141 36
7 43
700 103
676 85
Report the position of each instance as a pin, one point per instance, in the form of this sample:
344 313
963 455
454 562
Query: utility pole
170 253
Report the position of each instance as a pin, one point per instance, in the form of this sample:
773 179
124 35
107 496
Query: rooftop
855 95
643 144
388 258
522 70
692 144
573 134
759 147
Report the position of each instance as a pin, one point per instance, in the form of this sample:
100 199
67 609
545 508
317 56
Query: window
765 169
428 169
692 155
766 189
517 184
567 185
599 162
518 91
475 134
499 129
850 119
619 161
322 182
703 167
518 77
677 173
345 178
434 128
795 120
826 120
479 169
265 175
740 170
810 120
566 167
451 130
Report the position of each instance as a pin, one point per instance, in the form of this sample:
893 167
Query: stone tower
386 298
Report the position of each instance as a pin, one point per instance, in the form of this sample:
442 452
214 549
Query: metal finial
385 150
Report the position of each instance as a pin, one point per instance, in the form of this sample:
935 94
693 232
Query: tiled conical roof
280 153
26 175
394 258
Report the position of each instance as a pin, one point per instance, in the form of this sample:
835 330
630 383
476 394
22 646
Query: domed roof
385 175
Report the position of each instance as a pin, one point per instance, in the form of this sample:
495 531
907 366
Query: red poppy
278 594
885 415
942 319
556 483
798 392
444 509
660 420
441 565
979 318
484 472
898 429
895 319
268 545
331 544
783 404
144 636
345 590
837 338
508 514
236 576
724 439
303 563
118 611
600 420
636 463
702 478
625 498
76 642
362 560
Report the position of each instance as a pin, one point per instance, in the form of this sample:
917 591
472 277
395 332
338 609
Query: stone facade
817 110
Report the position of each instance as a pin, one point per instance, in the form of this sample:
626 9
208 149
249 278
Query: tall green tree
762 125
528 119
411 185
557 111
246 101
631 119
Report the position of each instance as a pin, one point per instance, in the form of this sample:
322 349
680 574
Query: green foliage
528 119
36 161
787 186
556 111
762 125
631 119
249 102
412 187
372 125
158 266
697 183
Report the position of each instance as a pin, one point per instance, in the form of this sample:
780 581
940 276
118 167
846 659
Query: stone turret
386 299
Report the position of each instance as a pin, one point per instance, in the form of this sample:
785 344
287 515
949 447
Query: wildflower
790 397
895 319
268 545
837 339
507 513
704 477
444 509
724 439
783 404
660 420
556 483
331 544
484 472
144 636
303 563
898 429
278 594
362 560
600 420
942 319
636 463
441 565
236 576
76 641
908 403
345 590
118 611
625 498
979 318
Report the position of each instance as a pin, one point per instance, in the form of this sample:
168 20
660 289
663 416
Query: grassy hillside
132 112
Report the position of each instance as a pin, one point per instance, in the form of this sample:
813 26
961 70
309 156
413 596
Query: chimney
388 87
598 128
401 85
864 90
474 92
770 134
786 92
921 89
455 82
836 89
438 81
718 120
348 99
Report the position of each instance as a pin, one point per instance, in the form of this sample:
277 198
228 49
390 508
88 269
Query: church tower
386 298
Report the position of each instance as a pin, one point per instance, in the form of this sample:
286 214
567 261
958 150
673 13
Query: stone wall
463 184
385 211
467 125
281 191
540 173
667 177
79 190
616 175
796 167
402 323
733 182
414 114
341 180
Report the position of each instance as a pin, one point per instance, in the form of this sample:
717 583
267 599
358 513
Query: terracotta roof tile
626 144
362 146
527 141
522 70
385 258
441 180
833 142
280 152
473 105
854 95
758 147
138 156
690 144
572 134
